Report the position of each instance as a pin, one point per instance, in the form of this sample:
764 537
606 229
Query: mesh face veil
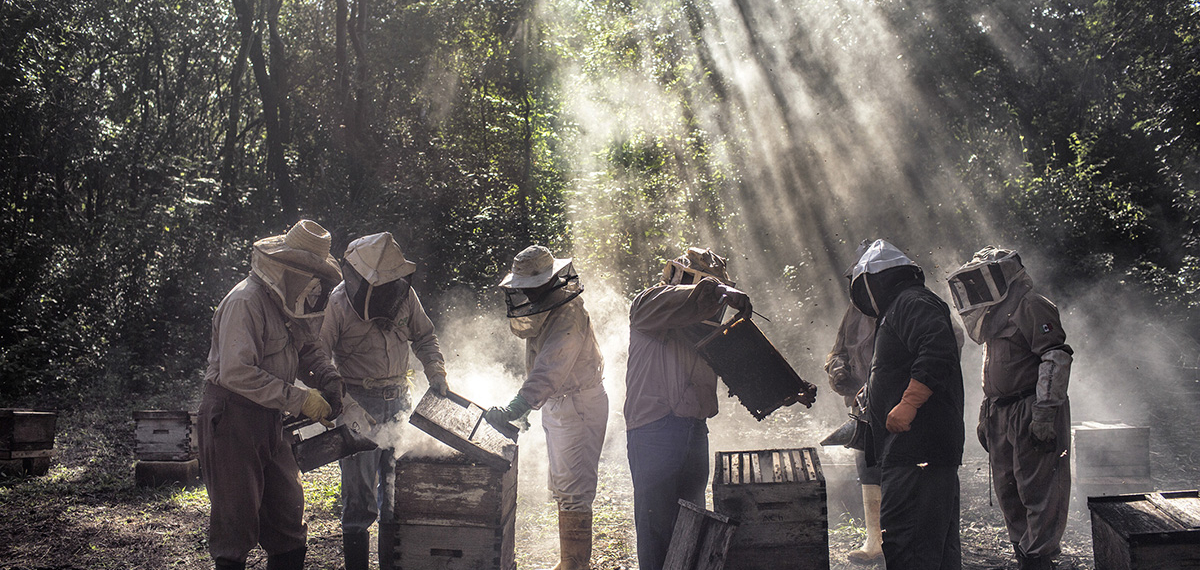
369 301
561 288
985 280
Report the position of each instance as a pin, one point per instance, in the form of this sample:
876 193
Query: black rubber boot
1038 563
1021 563
226 564
292 560
357 549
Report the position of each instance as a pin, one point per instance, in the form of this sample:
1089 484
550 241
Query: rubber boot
1021 564
356 547
291 560
1035 562
871 551
574 540
226 564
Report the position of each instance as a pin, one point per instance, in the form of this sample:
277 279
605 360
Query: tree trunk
228 174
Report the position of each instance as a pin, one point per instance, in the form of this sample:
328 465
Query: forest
146 145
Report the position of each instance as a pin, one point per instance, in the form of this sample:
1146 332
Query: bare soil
86 512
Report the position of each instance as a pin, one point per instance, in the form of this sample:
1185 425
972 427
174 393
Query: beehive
778 497
450 513
165 448
26 440
1158 531
1110 459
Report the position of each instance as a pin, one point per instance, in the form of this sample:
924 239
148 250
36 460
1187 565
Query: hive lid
458 422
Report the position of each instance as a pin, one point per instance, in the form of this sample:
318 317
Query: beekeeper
915 406
670 392
373 319
848 365
1025 418
564 373
264 335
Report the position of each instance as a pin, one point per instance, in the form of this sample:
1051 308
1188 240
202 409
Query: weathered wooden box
700 540
165 448
778 497
753 369
26 440
451 513
458 422
1151 531
1110 459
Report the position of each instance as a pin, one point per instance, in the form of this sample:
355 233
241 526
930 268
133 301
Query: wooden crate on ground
778 497
1110 459
700 540
450 513
165 448
1150 531
26 440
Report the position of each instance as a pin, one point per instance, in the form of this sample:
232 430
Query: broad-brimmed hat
534 266
699 262
305 247
378 258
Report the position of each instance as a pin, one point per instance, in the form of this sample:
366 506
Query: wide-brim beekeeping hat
699 262
533 267
305 248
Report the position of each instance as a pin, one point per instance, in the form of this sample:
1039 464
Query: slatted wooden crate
450 513
26 440
1110 459
165 448
778 497
1151 531
458 422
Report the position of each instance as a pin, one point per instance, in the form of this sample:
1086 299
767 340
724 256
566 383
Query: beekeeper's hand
736 299
498 416
356 417
981 429
316 407
435 372
1042 429
901 417
332 392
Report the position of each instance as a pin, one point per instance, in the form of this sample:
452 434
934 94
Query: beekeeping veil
987 289
298 268
376 275
537 284
879 275
694 265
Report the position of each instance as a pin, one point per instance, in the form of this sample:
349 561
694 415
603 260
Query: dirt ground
86 512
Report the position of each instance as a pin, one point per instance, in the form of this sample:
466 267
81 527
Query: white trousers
575 426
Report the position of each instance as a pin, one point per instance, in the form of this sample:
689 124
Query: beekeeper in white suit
564 373
373 318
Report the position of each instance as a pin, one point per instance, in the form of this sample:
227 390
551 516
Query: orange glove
901 417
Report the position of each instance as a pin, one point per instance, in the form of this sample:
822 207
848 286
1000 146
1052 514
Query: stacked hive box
165 449
451 513
779 497
26 441
1110 459
1151 531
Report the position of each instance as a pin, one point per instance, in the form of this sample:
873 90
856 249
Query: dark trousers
919 516
252 478
668 460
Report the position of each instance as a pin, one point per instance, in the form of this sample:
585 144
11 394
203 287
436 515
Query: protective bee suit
373 319
848 366
915 408
670 391
263 338
564 379
1025 417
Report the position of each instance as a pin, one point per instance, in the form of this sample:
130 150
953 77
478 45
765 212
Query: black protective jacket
915 340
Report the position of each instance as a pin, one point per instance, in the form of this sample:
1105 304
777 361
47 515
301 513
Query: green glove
501 415
316 407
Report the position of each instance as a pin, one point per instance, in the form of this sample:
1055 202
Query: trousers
668 460
363 473
919 517
575 425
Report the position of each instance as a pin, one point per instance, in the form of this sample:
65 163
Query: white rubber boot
872 549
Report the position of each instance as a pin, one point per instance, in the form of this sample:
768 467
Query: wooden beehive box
451 513
778 497
458 422
1151 531
26 440
753 369
165 448
700 540
1110 459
